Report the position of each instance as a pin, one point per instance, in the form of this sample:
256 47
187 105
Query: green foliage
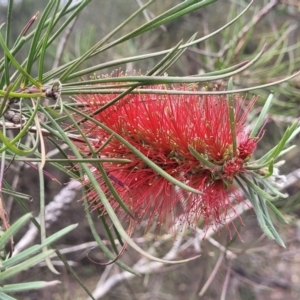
12 265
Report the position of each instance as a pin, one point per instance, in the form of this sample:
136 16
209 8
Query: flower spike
188 136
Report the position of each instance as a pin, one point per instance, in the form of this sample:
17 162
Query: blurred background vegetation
256 268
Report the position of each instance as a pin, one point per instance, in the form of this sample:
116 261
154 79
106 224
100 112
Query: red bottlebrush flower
165 128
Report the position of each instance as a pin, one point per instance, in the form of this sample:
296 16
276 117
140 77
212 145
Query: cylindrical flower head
165 128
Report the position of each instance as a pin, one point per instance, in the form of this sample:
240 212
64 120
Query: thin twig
212 275
226 282
62 43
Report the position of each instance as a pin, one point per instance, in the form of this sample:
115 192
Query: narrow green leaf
3 296
162 65
269 223
256 188
15 194
34 249
10 144
109 233
22 95
231 106
170 61
263 217
74 274
270 169
27 286
5 101
24 265
276 211
42 217
276 151
13 229
261 119
75 160
259 213
202 159
273 190
15 63
45 39
285 151
7 40
253 166
294 133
